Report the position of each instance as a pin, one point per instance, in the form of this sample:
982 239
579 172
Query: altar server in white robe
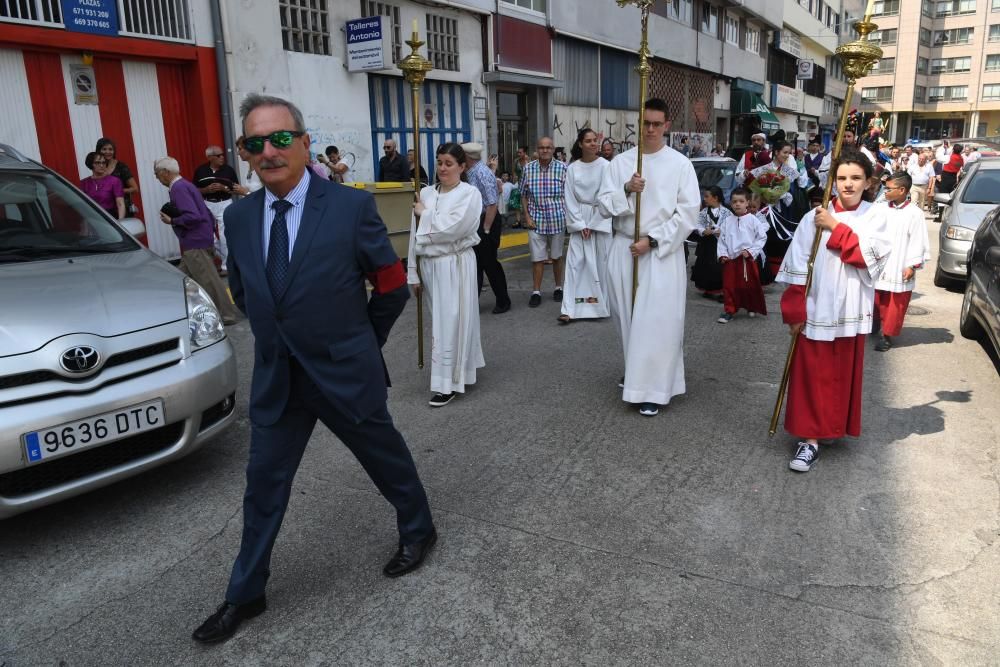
442 265
653 332
832 320
910 250
590 233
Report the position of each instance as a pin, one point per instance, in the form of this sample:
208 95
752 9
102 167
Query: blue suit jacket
324 317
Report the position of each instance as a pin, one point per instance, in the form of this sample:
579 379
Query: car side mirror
993 256
943 198
133 226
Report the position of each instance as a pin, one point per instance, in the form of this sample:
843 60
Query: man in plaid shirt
542 190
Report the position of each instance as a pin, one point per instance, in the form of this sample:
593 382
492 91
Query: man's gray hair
167 164
256 100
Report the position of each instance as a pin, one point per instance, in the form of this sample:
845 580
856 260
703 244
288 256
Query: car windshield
716 174
983 187
41 217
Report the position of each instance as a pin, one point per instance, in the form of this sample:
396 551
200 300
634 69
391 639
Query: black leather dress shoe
410 556
500 310
223 624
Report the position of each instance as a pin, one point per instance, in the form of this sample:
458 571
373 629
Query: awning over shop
747 103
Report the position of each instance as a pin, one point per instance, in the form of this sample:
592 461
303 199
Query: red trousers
741 286
824 388
891 310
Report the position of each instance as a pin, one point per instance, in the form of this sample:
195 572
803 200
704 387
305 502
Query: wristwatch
653 243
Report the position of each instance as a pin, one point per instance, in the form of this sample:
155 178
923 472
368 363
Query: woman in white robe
442 265
586 294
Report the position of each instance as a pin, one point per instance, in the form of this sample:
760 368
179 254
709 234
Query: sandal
565 319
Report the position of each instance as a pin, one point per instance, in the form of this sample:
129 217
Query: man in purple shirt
194 226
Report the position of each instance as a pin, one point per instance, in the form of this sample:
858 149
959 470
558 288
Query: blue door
444 110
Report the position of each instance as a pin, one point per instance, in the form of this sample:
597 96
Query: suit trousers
198 265
487 262
275 454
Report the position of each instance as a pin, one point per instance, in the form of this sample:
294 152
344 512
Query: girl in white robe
442 265
586 280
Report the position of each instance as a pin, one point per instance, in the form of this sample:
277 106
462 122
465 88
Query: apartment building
940 74
806 84
708 64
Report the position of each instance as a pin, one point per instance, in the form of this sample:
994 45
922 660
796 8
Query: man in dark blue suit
300 251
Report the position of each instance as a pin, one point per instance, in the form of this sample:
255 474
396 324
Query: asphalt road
573 530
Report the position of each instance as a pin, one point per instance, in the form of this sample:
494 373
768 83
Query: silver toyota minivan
111 360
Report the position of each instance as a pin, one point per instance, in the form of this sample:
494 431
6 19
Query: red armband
793 304
387 278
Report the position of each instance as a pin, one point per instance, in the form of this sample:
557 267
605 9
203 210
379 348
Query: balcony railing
148 19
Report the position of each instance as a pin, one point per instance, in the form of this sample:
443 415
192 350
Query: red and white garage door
142 108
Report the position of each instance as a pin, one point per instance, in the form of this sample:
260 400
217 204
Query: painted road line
511 259
513 239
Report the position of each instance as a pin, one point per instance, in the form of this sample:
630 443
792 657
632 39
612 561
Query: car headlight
204 320
959 233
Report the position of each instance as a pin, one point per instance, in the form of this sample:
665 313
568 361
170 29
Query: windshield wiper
43 250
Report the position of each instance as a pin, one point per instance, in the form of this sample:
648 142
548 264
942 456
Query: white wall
571 118
334 101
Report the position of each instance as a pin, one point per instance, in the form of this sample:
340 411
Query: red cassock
741 286
824 384
891 310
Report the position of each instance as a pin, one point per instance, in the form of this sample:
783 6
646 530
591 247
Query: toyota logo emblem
80 359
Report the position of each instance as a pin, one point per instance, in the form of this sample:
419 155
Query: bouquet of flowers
770 186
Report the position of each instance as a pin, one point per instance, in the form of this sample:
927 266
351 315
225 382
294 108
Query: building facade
143 74
940 75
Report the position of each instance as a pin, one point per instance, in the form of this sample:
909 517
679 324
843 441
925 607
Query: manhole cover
917 310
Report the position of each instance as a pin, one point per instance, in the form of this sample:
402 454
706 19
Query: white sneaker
805 457
751 314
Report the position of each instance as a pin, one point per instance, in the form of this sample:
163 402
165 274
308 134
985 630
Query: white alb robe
653 333
742 232
907 232
585 292
842 297
442 243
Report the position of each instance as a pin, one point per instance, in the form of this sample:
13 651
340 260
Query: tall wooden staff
858 58
415 69
643 69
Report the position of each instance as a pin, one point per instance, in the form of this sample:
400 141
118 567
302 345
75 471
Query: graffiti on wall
617 125
354 145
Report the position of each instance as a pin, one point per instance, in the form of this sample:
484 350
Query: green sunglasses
279 139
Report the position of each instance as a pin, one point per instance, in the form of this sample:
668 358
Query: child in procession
741 242
442 265
910 249
707 274
831 322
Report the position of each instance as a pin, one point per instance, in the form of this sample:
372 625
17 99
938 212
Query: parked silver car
111 360
974 197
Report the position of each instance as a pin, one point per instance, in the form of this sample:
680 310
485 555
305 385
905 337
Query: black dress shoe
499 310
410 556
223 624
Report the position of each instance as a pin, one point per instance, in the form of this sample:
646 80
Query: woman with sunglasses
106 190
442 265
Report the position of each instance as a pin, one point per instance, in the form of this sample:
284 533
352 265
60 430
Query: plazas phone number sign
99 17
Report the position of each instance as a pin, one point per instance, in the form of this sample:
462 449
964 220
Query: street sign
97 17
369 46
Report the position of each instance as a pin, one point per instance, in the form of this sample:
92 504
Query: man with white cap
755 156
489 233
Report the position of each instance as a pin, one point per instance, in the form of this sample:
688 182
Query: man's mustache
273 164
